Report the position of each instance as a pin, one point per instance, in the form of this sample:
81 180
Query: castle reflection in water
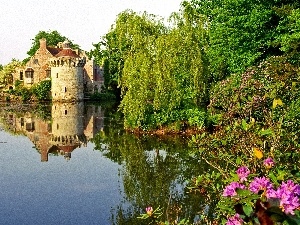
71 126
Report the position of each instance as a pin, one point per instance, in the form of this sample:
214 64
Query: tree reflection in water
155 171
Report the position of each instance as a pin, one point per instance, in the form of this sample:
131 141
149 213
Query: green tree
164 78
289 30
7 71
52 37
117 45
244 32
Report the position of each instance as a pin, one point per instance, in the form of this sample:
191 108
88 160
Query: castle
72 125
73 76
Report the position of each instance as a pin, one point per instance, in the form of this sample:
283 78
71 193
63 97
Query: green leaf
247 209
244 125
266 132
243 192
293 220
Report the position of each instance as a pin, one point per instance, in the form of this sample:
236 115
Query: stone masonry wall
67 82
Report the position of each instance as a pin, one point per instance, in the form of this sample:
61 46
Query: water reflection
155 172
70 126
151 170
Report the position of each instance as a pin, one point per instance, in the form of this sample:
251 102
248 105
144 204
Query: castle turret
67 127
67 75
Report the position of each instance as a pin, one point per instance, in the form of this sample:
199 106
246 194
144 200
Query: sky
82 21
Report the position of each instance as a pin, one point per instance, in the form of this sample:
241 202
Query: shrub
263 92
42 90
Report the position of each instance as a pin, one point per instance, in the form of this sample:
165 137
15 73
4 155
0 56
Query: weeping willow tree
164 79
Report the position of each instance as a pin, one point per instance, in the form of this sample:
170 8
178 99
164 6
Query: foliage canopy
52 37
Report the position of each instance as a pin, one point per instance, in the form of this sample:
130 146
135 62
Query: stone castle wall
67 79
39 64
72 74
67 124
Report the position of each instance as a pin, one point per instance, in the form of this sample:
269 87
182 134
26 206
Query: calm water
76 187
74 164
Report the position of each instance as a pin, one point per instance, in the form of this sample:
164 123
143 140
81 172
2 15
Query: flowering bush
259 200
264 92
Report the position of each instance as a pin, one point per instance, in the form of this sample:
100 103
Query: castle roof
54 51
67 52
69 148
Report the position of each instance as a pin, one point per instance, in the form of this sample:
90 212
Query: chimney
66 44
43 43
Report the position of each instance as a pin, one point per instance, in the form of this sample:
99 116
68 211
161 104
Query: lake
72 163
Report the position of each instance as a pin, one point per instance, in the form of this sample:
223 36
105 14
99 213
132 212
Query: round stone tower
67 127
67 75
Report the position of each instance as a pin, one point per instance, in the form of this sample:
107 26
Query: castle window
65 89
57 126
22 122
30 126
56 75
29 73
49 128
66 112
48 72
95 74
21 75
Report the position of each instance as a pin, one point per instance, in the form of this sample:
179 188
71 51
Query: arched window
29 72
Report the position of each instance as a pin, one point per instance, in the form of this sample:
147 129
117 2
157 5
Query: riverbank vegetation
190 73
231 69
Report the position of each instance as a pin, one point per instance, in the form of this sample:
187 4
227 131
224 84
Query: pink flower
149 210
235 220
230 190
243 173
260 183
269 162
289 193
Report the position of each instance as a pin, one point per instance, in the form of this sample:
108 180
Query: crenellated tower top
67 57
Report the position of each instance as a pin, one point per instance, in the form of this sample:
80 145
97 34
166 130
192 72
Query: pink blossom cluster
243 173
288 193
260 184
269 162
230 190
235 220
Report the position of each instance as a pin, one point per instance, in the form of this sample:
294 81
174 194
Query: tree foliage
7 71
165 73
164 78
42 91
52 37
244 32
114 48
161 71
